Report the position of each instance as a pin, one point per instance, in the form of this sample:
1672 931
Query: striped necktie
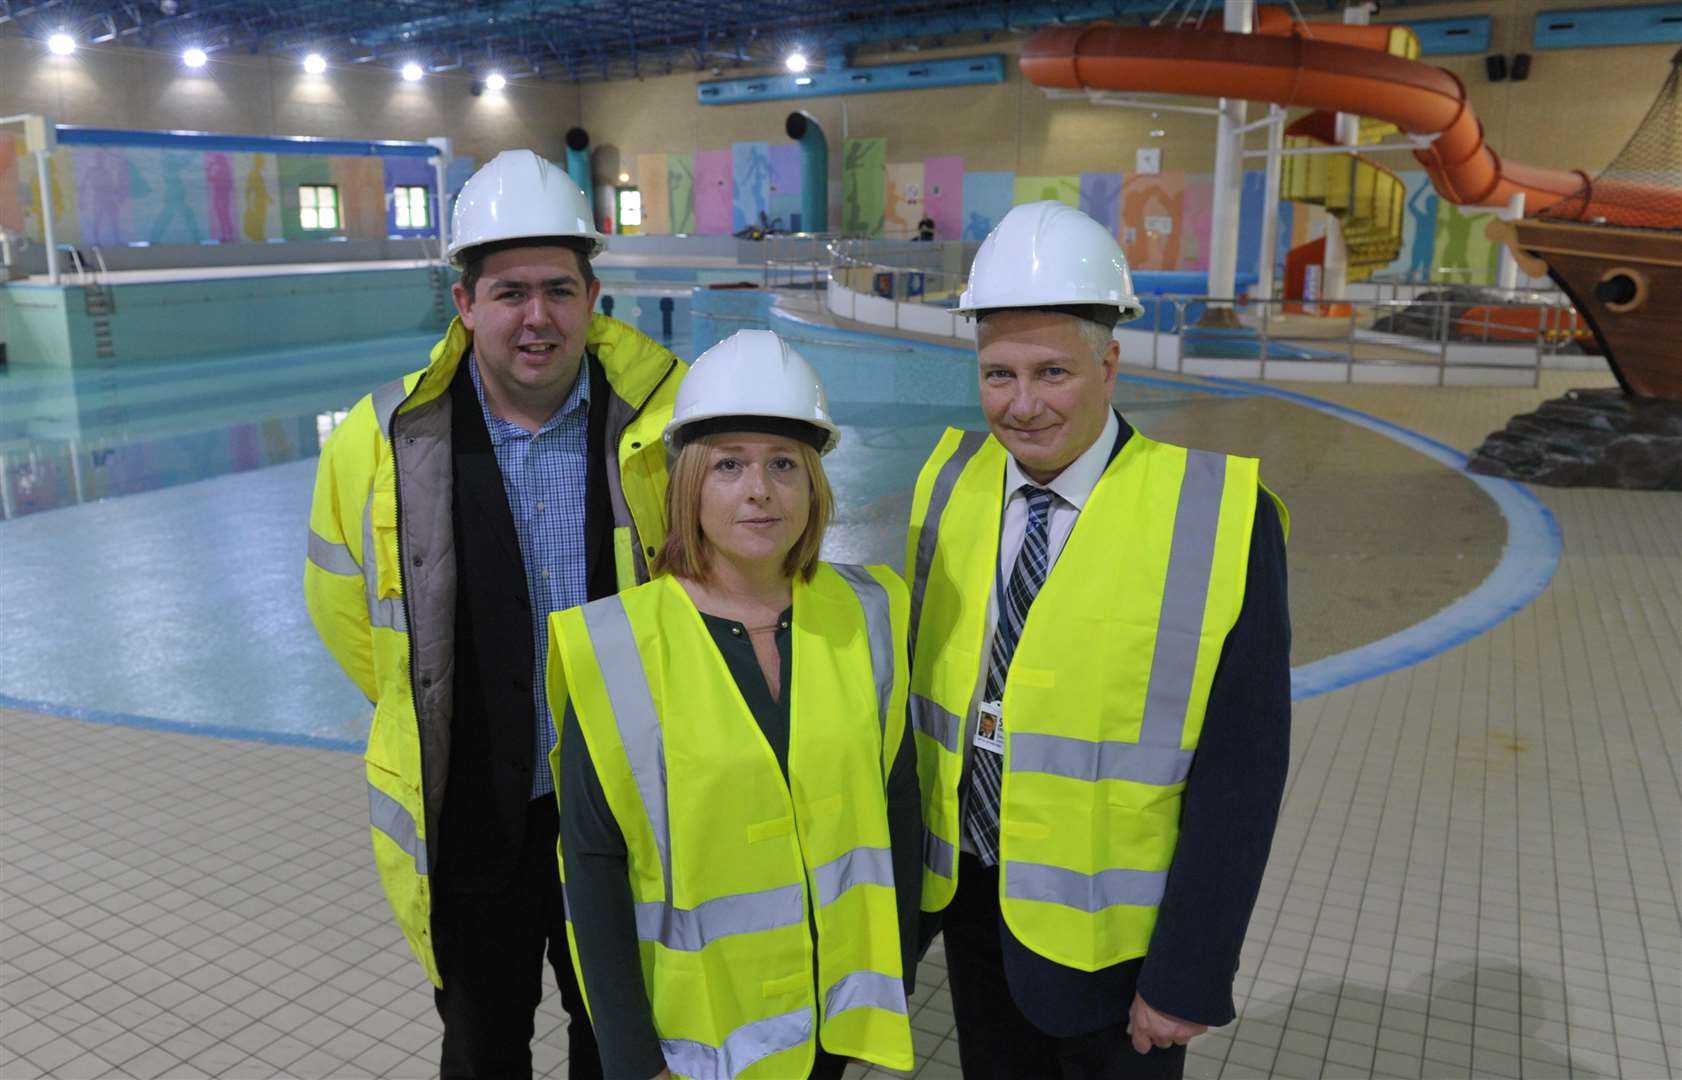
981 816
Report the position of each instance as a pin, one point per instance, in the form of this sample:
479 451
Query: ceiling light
624 178
412 72
1157 133
61 44
314 64
194 58
495 81
796 62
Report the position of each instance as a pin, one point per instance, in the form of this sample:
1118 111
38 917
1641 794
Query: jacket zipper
408 634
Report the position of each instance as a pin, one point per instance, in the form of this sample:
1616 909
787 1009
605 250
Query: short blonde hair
685 551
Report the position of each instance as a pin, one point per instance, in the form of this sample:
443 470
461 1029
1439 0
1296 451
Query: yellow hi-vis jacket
380 580
725 858
1106 692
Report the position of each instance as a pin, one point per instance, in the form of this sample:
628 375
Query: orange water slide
1339 69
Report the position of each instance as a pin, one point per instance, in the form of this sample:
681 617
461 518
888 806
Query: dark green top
598 877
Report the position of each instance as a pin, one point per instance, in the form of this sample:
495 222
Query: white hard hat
1048 254
753 375
518 194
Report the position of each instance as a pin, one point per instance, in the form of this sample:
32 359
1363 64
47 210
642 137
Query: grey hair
1096 335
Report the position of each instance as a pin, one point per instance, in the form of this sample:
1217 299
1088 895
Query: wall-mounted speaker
1521 67
1495 66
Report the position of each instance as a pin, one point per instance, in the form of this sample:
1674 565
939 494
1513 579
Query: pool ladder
440 291
438 273
100 304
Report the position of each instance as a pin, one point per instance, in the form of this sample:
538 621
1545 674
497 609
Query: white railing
1423 342
1499 338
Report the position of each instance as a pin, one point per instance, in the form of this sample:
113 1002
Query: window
318 206
412 204
630 210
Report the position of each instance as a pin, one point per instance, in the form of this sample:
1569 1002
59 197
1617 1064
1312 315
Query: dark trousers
490 949
995 1041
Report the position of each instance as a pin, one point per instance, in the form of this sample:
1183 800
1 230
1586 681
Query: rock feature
1590 438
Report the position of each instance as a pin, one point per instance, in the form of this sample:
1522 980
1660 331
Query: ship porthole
1622 289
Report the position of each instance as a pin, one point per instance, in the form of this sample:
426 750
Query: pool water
75 436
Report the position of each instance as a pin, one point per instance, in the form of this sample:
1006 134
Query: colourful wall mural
713 193
786 187
903 204
1063 189
1462 252
987 199
1197 213
680 188
654 182
750 185
12 158
1100 199
1151 228
106 196
864 186
111 195
943 196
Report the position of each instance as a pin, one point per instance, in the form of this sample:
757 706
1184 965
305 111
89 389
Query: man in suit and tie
1100 686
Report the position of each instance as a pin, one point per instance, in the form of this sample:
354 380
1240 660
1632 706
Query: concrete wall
1575 111
106 86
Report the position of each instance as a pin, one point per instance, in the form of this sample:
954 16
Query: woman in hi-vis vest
740 829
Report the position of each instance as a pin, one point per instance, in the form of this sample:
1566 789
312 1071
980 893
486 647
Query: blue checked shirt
545 475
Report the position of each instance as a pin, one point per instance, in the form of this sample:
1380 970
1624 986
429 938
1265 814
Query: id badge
990 726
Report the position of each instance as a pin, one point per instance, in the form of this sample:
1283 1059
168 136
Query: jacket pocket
383 534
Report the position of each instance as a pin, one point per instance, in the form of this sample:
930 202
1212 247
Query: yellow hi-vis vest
380 579
726 858
1105 696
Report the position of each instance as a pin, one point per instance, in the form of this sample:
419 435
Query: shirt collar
501 429
1075 483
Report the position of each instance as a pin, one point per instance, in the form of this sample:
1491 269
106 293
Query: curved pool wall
857 366
141 322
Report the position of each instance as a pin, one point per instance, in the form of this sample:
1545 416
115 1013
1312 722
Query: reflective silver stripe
879 627
389 816
742 1047
693 929
1083 759
1184 596
331 557
941 494
386 613
620 662
934 721
866 990
386 400
1086 892
937 854
860 866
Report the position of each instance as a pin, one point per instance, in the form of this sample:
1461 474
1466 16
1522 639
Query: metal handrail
1268 333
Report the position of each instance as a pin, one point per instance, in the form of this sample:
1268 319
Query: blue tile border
179 727
1528 562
